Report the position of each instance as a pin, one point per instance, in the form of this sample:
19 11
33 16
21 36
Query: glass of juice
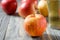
54 13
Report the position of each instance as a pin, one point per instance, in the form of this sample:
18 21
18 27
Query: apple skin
35 24
43 7
26 8
9 6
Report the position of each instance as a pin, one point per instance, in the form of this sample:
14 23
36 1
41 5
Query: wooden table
11 28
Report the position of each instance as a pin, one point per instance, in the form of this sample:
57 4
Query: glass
54 13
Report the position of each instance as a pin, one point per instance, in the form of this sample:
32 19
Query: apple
26 8
35 24
9 6
43 7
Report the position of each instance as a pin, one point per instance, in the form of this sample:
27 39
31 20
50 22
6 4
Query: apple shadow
47 37
36 38
15 14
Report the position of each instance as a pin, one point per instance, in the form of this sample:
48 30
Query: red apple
35 24
9 6
26 8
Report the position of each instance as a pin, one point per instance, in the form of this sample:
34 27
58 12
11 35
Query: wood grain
4 20
16 31
11 28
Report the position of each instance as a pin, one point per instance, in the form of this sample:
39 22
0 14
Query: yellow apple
42 7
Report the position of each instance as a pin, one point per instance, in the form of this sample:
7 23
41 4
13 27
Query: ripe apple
42 7
9 6
35 24
26 8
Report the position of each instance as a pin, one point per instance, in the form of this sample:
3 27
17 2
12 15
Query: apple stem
36 8
37 11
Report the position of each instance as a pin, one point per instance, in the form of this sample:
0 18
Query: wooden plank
16 31
4 20
14 26
3 27
1 15
45 36
57 34
51 34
